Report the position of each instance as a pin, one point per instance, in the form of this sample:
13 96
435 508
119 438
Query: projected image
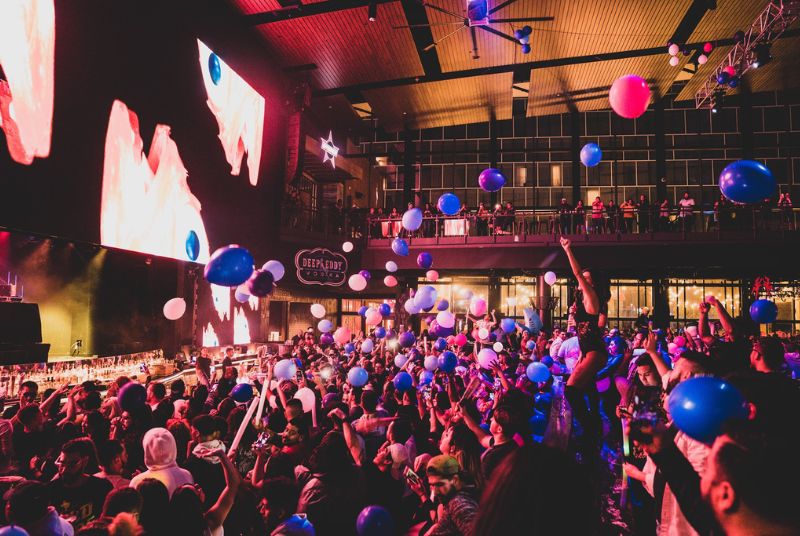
27 48
147 205
239 111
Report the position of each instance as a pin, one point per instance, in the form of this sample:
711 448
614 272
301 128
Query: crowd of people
433 437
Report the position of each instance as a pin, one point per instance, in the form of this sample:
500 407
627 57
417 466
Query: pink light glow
222 301
239 111
241 329
27 49
147 205
209 336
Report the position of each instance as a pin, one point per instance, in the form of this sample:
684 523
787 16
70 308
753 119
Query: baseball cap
443 465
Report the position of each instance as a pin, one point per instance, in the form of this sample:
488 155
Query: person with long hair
459 442
591 308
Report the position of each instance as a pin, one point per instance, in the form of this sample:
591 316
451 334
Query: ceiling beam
306 10
417 19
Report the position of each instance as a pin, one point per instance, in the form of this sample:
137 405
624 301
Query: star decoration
330 151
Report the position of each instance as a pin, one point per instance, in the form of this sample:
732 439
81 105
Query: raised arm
725 318
216 514
590 300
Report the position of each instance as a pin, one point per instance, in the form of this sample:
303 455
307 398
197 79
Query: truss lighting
763 56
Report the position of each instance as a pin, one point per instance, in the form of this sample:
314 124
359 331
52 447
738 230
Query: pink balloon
731 70
390 281
679 341
373 317
460 339
629 96
341 335
432 275
478 307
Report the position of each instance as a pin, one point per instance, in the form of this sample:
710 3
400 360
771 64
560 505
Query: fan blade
442 10
427 25
433 45
500 6
530 19
474 43
499 34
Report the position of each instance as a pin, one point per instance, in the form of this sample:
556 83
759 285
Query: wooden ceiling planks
345 46
248 7
445 103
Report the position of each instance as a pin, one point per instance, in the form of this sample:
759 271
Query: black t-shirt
495 456
80 504
204 364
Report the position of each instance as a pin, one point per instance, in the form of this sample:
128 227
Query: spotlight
372 11
763 55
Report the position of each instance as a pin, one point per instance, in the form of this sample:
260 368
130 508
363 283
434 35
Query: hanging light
372 11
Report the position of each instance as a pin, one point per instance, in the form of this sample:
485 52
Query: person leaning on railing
597 215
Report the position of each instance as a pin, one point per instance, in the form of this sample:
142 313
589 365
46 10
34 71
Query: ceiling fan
479 16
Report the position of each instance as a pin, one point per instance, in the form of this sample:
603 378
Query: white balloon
367 346
317 310
498 346
347 247
550 278
411 307
486 357
357 282
702 59
275 268
674 61
174 308
391 266
673 49
445 319
306 396
483 333
373 317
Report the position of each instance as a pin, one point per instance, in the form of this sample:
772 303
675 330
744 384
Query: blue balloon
261 283
538 423
243 392
241 297
229 266
407 339
380 332
349 348
214 68
723 77
357 377
547 361
763 311
13 530
440 344
374 521
733 82
443 305
403 381
701 406
400 247
192 246
424 260
412 219
508 325
448 362
362 311
747 181
537 372
285 369
543 401
426 377
591 154
384 309
449 204
491 180
530 345
431 362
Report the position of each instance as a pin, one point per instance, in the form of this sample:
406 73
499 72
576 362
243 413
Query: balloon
431 275
242 295
407 339
426 376
443 306
13 530
174 308
374 317
431 363
747 181
349 348
326 339
400 360
591 154
708 47
390 334
374 521
629 96
674 61
538 423
763 311
132 396
367 346
424 260
671 348
411 307
390 281
385 309
307 397
192 246
446 319
347 247
550 278
731 70
491 180
229 266
673 49
497 347
275 268
486 357
440 344
477 307
461 339
537 372
449 204
400 247
357 282
425 297
702 59
403 381
318 310
380 332
362 311
341 335
679 341
365 274
508 325
285 369
325 325
448 362
391 266
214 68
723 77
412 219
547 361
242 392
357 376
530 345
260 283
700 407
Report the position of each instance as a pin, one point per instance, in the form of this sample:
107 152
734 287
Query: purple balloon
407 339
443 305
261 283
491 180
365 274
326 339
424 260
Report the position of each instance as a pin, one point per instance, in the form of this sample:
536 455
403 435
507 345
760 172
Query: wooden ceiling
350 52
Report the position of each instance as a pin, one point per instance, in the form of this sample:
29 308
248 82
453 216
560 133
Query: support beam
417 18
306 10
575 154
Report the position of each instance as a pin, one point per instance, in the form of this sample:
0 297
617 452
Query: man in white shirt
558 339
685 213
